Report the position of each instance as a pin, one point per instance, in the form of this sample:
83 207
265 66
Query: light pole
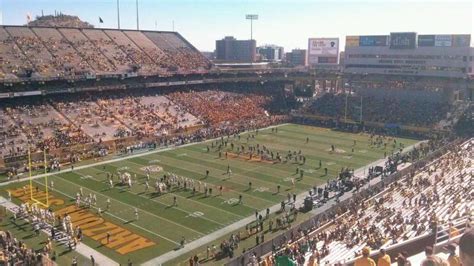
251 17
138 23
118 14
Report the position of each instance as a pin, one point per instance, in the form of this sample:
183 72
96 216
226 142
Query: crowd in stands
69 120
381 110
15 252
32 48
429 198
222 108
72 52
40 125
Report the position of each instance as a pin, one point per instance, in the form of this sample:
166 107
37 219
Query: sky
287 23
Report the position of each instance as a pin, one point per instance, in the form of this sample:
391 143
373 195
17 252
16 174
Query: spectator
365 260
432 259
384 259
453 259
466 248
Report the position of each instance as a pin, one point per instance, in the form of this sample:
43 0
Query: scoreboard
403 40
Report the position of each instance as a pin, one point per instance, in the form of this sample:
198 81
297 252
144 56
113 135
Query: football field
165 219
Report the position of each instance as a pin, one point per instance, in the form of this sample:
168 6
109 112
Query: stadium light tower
251 17
138 23
118 14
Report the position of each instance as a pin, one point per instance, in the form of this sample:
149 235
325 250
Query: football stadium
133 147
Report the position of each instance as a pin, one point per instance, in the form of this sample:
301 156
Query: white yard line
161 203
131 206
226 179
207 238
169 193
140 154
121 219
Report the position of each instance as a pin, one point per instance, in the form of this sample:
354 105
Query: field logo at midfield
152 168
86 176
121 240
123 168
231 201
330 163
195 214
153 161
261 189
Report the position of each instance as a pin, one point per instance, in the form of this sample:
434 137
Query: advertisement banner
352 41
323 46
403 40
373 40
443 40
461 40
26 93
426 40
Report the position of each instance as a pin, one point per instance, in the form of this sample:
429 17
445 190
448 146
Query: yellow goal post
44 202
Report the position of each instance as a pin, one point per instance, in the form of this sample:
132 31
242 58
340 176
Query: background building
297 57
233 50
407 53
209 55
271 52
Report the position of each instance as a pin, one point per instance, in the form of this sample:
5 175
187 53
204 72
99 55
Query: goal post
38 201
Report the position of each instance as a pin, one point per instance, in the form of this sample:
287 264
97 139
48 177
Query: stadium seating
15 252
65 53
437 194
383 110
70 120
14 62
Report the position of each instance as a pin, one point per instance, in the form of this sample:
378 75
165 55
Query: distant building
271 52
341 58
209 55
232 50
406 53
297 57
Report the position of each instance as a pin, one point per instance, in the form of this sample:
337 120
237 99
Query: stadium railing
267 247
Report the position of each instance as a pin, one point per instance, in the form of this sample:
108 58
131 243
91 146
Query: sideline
122 158
241 223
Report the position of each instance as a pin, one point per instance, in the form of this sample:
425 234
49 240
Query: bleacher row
68 53
81 119
106 121
435 195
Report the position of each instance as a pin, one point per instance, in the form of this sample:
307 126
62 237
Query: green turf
23 231
197 216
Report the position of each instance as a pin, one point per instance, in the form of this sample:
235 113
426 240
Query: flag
100 20
28 17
